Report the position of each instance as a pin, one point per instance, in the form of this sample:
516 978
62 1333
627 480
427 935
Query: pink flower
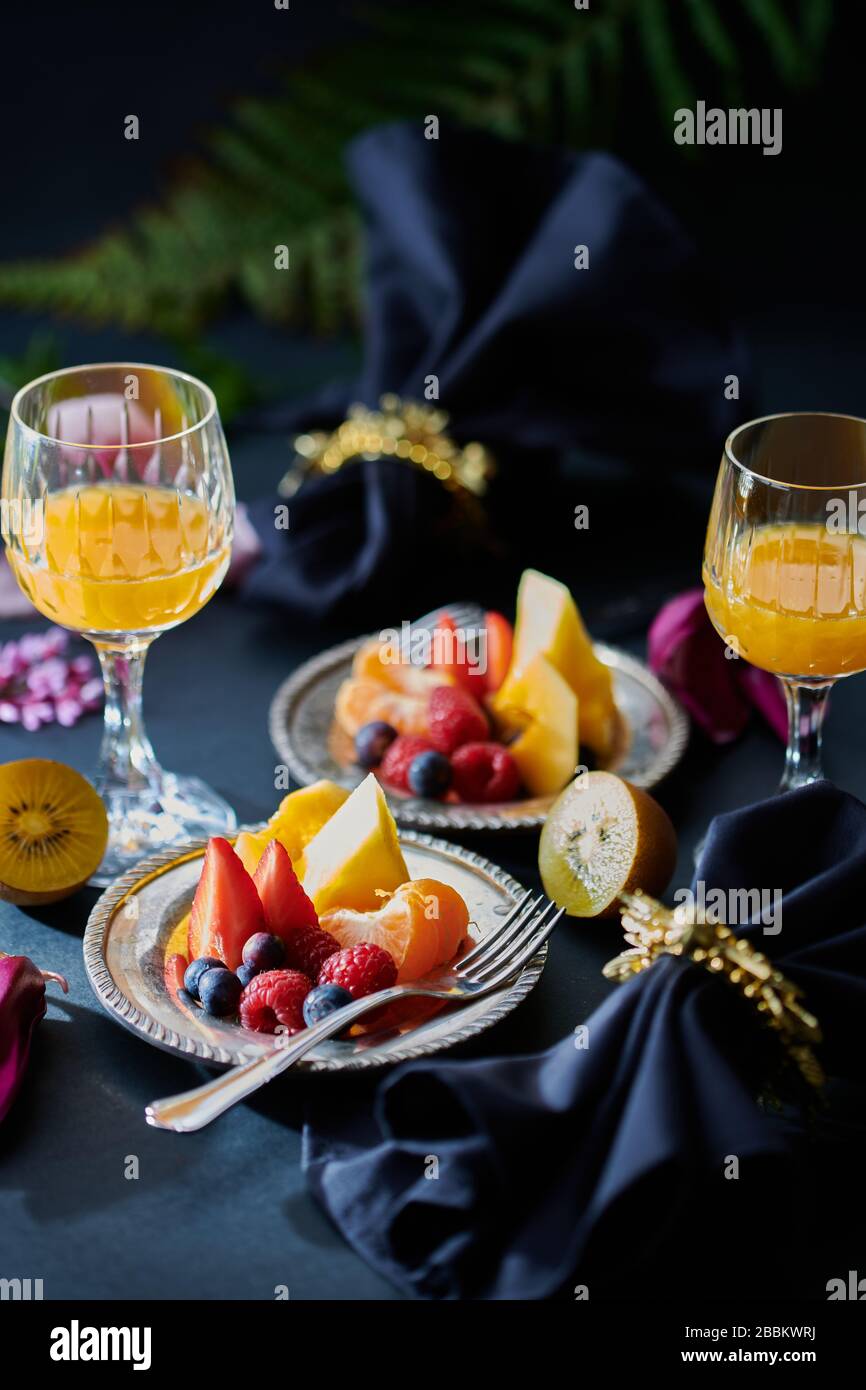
718 689
38 684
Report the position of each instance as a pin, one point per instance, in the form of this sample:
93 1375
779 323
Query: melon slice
545 708
356 856
549 624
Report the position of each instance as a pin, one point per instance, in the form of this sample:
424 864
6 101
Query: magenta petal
9 713
246 547
689 656
767 694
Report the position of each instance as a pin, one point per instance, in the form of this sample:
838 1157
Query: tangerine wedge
361 700
421 925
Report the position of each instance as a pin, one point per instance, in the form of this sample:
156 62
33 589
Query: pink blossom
39 684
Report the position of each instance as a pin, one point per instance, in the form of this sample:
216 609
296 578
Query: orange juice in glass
121 557
785 563
122 472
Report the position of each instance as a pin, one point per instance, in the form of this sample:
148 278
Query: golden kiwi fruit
604 837
53 831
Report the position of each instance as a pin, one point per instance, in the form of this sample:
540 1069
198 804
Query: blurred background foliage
271 171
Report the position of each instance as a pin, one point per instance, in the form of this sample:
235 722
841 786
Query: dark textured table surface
224 1213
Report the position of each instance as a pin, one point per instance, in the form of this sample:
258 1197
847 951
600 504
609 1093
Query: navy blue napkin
606 1166
472 285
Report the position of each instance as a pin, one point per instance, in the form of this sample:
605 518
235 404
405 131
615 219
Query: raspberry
274 999
361 969
308 948
454 718
394 767
485 772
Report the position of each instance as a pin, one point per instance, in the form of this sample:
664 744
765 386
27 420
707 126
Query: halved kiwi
53 831
604 837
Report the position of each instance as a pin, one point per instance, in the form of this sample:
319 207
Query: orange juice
121 558
794 598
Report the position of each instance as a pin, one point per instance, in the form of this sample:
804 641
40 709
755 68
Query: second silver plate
654 731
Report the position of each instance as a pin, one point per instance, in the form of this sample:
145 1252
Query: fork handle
191 1110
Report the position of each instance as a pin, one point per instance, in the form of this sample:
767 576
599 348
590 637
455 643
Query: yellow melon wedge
356 855
250 845
545 708
298 818
301 815
549 623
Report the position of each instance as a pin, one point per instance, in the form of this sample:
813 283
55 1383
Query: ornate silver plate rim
136 1019
432 815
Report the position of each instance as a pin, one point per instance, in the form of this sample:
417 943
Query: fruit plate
129 927
653 734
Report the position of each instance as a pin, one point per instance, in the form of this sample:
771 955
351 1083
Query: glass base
170 812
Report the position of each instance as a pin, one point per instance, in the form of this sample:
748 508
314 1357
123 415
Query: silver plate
128 930
654 730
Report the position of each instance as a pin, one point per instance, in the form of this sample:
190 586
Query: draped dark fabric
472 292
601 1163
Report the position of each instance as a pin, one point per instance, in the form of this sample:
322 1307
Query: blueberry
372 742
324 1000
194 971
264 951
220 992
430 774
245 973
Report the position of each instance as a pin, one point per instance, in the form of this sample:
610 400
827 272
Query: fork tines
503 952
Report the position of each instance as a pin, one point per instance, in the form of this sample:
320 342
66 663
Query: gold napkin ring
399 429
654 930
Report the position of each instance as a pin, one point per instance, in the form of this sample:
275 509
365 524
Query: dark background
224 1213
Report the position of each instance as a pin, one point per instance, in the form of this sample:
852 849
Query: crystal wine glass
118 507
785 563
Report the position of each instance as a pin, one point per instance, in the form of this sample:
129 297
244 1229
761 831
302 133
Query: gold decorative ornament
654 930
398 429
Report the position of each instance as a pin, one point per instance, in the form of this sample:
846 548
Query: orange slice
421 925
371 663
360 700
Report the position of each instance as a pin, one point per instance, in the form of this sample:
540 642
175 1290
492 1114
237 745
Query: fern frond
274 171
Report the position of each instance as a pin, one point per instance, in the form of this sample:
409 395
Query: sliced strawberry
226 910
500 641
449 654
284 902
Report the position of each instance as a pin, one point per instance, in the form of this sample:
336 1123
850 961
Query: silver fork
491 963
466 617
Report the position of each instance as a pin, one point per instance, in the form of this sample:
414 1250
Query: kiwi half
604 837
53 831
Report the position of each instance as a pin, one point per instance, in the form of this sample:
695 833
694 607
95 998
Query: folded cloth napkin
605 1166
472 285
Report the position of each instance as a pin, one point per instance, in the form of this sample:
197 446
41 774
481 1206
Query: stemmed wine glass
118 507
785 563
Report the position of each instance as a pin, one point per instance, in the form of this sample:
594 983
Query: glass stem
127 762
807 705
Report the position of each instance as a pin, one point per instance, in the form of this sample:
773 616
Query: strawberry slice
226 910
284 902
450 656
500 641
